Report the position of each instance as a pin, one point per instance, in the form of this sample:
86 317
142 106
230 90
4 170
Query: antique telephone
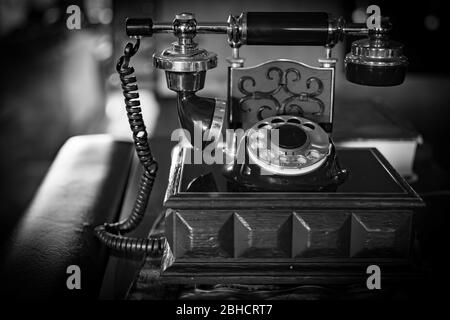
285 109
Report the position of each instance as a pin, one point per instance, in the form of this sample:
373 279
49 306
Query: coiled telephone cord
112 234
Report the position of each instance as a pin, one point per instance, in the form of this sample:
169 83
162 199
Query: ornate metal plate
281 87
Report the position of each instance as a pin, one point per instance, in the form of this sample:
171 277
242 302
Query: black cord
111 234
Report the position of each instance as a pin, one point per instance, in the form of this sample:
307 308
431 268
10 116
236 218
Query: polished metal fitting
171 59
335 31
237 30
185 29
184 62
185 71
185 24
373 52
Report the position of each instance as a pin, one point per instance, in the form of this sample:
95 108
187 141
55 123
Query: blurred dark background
56 83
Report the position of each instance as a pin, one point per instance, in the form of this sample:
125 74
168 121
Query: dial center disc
291 136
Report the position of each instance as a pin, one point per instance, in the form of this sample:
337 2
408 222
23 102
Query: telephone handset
283 108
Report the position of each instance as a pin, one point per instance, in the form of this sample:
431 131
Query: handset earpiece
376 60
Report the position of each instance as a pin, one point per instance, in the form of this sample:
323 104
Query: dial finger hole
277 120
309 126
294 121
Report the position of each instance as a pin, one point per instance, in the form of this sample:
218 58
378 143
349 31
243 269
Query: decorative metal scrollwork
287 105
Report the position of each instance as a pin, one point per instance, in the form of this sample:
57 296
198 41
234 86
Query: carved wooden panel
196 234
269 234
381 234
324 234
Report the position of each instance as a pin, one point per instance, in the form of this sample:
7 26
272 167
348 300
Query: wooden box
220 236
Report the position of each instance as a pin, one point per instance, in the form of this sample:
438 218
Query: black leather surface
84 187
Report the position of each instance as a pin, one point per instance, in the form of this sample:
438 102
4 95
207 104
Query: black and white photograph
219 159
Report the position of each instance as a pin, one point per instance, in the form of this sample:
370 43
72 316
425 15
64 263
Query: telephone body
285 205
